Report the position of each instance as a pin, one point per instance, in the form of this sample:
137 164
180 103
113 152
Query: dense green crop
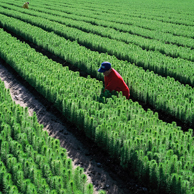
31 161
142 55
157 153
121 127
163 93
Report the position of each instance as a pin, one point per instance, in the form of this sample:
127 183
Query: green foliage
77 177
83 181
102 192
31 189
13 190
154 150
19 179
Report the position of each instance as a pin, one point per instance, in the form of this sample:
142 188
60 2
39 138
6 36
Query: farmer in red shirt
113 80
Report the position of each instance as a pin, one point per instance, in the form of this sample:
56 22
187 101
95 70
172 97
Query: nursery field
55 48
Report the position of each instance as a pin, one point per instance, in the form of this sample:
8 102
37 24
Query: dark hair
27 2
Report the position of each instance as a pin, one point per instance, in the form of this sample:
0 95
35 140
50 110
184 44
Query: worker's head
105 68
27 2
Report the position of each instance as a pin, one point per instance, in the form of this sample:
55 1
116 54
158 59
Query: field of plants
150 43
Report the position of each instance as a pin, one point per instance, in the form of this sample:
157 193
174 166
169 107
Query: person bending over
25 6
113 80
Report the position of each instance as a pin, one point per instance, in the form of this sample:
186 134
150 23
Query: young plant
89 188
31 189
77 177
71 187
83 182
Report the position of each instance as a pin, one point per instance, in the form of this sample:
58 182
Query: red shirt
114 81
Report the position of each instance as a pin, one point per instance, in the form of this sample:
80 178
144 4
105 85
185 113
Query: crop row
157 152
149 24
184 18
128 18
155 61
162 93
148 44
157 12
31 161
126 27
